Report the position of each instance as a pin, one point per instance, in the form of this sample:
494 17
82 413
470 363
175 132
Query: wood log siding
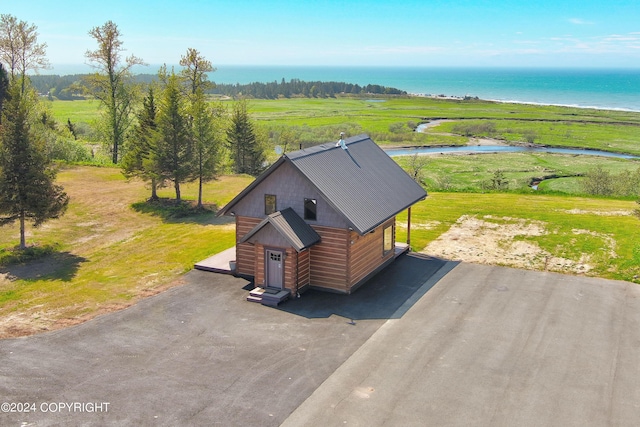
290 264
259 267
333 263
366 253
329 259
303 269
245 252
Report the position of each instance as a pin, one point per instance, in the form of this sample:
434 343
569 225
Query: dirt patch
494 241
486 141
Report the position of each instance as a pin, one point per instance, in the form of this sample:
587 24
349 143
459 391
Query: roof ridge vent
341 143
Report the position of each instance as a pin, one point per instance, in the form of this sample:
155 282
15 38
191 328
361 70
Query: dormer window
269 204
310 209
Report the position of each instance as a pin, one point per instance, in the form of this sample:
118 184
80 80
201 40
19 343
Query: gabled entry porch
281 251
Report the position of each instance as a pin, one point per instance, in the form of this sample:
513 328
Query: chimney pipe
341 143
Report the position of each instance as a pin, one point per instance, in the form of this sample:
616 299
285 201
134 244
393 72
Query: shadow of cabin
388 295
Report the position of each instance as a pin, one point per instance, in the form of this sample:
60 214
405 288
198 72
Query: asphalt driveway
424 343
199 354
492 346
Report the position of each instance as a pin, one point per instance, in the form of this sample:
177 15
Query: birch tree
112 83
19 48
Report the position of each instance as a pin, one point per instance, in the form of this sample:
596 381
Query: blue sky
541 33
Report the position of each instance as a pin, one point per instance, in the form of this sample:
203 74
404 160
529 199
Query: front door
274 268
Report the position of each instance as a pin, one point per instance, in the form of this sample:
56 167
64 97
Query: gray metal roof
289 224
362 183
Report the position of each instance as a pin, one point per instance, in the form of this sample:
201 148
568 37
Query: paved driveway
200 354
419 345
491 346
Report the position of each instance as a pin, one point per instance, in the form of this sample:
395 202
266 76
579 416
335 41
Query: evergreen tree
27 189
141 159
4 88
205 138
203 119
175 147
248 155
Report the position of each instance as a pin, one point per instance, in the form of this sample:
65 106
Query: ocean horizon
601 88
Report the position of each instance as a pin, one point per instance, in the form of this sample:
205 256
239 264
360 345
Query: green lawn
107 254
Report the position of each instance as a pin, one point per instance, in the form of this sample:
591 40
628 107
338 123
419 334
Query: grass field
602 231
106 255
469 172
597 136
387 118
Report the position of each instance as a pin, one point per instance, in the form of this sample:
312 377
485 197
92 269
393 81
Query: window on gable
310 209
269 204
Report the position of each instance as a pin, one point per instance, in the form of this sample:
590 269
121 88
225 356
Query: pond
503 149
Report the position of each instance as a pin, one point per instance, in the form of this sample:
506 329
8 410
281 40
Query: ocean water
588 88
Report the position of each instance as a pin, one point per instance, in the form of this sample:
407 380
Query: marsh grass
390 121
558 172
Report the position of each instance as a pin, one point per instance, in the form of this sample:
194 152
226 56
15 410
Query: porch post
409 228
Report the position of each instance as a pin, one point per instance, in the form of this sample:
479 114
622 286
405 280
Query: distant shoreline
615 89
504 101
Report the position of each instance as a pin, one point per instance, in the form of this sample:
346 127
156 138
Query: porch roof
288 223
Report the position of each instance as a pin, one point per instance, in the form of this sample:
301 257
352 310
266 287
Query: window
310 209
387 240
269 204
275 256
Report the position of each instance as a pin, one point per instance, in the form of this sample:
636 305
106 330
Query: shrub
530 137
470 129
396 127
68 150
598 182
498 181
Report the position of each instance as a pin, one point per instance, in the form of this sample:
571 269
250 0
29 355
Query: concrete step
256 292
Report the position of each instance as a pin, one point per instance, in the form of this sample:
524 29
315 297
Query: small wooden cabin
322 217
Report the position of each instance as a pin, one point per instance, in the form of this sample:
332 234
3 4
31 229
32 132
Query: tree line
70 87
296 87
